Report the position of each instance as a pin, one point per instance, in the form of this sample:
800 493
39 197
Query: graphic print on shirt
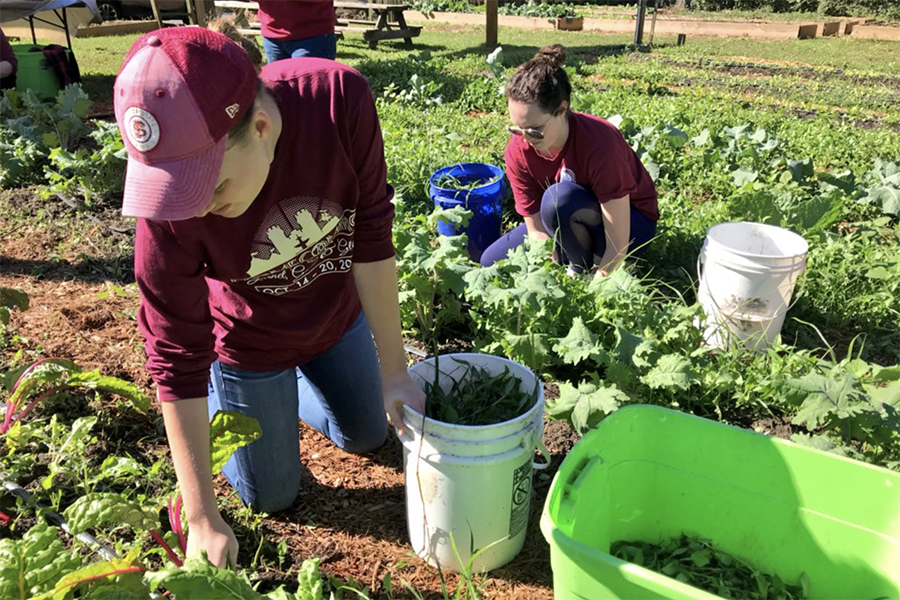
301 239
565 173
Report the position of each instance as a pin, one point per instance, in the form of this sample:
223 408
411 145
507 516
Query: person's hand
216 538
399 389
600 273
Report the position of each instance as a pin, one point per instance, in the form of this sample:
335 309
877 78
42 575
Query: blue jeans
572 215
338 393
318 46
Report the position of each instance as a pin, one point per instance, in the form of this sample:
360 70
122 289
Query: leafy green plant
885 193
200 579
30 128
449 182
857 401
89 174
32 565
59 374
548 10
10 299
429 7
115 578
697 562
586 404
431 268
418 91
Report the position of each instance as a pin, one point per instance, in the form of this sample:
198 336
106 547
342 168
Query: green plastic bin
648 473
35 72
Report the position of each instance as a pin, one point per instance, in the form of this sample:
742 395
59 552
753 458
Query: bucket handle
538 443
800 287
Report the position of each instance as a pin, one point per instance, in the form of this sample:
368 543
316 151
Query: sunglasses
534 134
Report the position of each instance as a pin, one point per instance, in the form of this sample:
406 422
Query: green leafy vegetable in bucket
449 182
696 562
477 397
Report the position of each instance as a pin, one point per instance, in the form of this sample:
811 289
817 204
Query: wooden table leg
401 22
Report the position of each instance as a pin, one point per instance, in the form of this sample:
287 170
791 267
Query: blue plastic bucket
484 201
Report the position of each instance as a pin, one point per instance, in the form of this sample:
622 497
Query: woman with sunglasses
573 175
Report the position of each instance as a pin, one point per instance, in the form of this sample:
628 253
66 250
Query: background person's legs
503 246
274 50
573 215
340 392
319 46
265 473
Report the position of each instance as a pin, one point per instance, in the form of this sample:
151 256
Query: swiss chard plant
29 385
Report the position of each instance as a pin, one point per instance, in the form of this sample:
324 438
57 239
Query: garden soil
350 511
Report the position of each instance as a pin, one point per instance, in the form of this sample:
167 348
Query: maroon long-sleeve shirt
272 289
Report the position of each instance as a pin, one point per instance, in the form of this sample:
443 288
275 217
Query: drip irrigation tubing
55 518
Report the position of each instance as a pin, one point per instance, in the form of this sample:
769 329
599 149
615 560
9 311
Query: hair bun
555 55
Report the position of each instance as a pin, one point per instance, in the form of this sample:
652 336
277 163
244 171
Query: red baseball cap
179 93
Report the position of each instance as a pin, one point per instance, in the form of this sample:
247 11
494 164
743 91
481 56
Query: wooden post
639 23
156 16
201 7
490 11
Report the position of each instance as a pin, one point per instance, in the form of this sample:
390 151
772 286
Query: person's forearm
535 227
616 250
376 284
187 427
617 229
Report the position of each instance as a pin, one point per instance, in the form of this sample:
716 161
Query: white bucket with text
747 275
469 487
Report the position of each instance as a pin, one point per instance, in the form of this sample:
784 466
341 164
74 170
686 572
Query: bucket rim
795 237
498 172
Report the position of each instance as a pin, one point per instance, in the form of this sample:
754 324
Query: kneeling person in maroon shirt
263 255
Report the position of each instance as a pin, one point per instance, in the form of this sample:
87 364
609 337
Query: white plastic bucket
471 484
749 271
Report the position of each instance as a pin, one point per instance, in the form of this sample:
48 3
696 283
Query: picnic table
379 25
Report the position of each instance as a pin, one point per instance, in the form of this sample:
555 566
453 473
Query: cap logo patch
233 109
141 128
